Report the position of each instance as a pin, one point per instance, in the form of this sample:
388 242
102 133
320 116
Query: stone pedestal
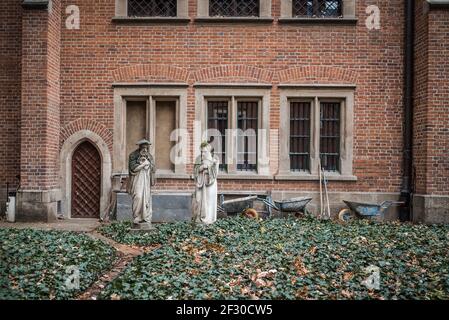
142 228
123 208
166 207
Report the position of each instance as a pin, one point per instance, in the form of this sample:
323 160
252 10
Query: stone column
40 116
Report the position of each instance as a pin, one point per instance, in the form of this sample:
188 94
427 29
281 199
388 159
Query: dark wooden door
86 181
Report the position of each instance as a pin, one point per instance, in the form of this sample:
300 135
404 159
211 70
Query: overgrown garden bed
44 264
239 258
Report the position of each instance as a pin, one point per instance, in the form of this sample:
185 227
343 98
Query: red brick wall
40 98
91 57
420 99
431 147
10 49
438 100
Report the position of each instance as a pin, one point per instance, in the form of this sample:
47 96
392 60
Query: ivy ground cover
49 264
238 258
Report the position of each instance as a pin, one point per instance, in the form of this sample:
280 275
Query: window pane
217 120
317 8
136 124
300 136
165 125
152 8
234 8
247 125
330 136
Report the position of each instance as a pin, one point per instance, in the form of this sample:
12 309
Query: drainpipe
406 192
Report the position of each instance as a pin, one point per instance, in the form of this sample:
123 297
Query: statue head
206 150
144 145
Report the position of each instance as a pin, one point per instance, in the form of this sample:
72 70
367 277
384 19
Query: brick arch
318 74
233 73
90 125
151 72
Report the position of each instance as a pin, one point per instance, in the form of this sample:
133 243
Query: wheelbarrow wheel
251 213
346 215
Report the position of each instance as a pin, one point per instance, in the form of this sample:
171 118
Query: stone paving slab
76 225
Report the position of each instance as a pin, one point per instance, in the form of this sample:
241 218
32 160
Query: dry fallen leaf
300 268
348 276
115 296
347 294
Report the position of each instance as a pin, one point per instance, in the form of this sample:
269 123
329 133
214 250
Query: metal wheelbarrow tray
294 205
365 210
237 205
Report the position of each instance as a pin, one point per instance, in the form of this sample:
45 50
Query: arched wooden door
86 181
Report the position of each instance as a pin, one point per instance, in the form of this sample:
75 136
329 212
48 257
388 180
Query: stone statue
205 173
141 179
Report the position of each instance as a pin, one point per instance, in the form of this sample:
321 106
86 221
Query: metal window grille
300 136
152 8
217 118
317 8
247 123
234 8
330 136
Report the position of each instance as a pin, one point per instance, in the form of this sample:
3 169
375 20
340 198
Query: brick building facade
129 72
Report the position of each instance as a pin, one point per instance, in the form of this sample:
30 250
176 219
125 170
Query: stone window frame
233 93
349 14
121 13
315 94
151 93
203 13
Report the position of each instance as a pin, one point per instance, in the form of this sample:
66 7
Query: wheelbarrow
294 205
358 210
236 206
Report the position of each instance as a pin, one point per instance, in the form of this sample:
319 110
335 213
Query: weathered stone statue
141 179
205 173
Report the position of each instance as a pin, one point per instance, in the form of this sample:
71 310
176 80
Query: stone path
125 255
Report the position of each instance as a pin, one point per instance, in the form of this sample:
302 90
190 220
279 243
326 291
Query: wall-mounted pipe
407 183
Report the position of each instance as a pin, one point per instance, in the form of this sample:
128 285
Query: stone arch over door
67 152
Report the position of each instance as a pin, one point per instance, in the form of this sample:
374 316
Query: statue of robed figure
205 174
141 178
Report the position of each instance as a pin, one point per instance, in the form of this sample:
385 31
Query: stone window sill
438 3
234 19
243 176
150 19
35 4
318 20
310 177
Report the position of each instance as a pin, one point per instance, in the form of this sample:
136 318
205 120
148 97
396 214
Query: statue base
145 227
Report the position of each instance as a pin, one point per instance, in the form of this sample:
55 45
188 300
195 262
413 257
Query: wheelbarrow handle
268 202
390 203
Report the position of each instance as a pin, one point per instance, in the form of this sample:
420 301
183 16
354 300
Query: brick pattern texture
431 134
103 52
10 100
40 116
67 78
